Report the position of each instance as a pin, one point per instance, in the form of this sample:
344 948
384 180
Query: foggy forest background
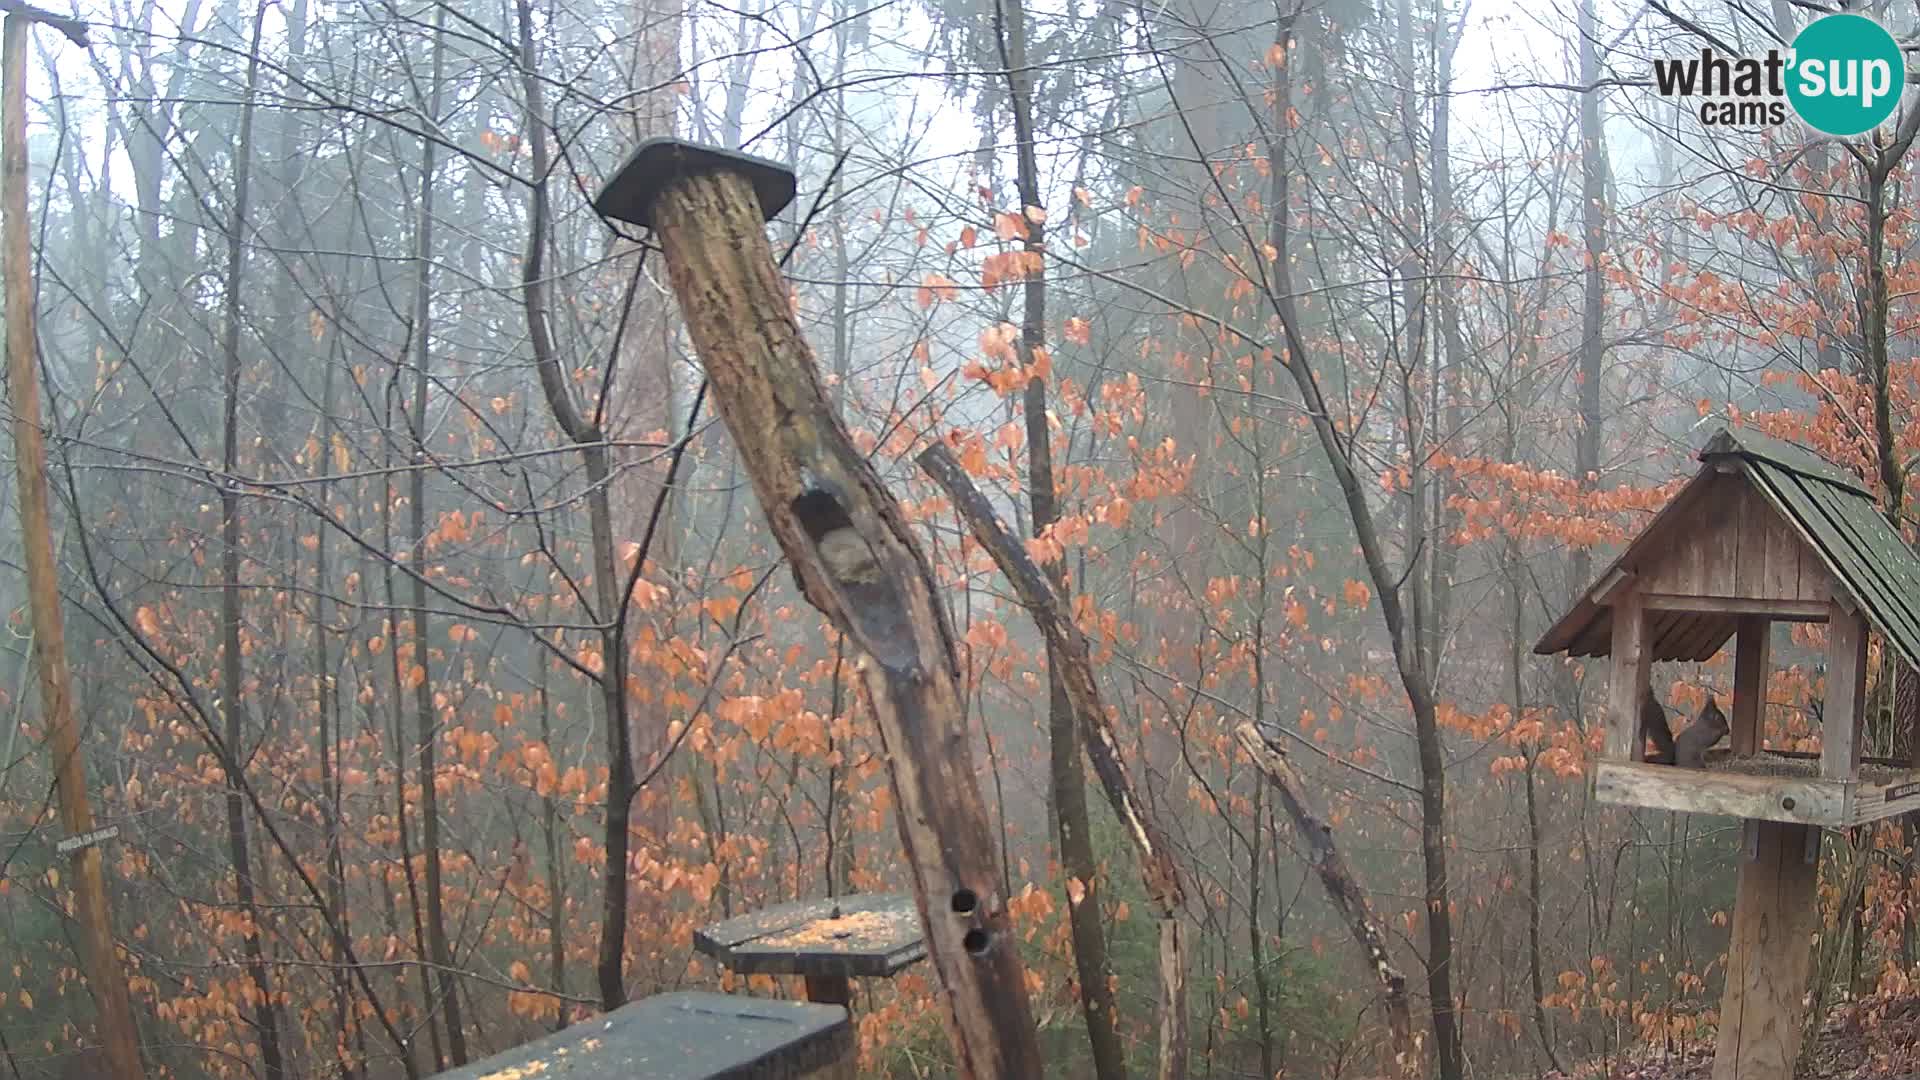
286 256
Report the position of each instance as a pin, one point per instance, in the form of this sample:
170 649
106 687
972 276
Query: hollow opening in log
977 942
878 613
964 901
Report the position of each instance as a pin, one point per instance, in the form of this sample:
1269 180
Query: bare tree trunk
1593 313
265 1013
1337 446
397 723
549 835
1097 1002
427 727
609 601
1449 383
1256 936
1874 329
327 741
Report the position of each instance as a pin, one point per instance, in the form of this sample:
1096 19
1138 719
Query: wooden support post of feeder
1752 660
1846 700
855 559
1776 900
1774 912
1627 685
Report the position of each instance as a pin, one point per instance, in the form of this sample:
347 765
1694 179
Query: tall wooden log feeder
856 560
1767 532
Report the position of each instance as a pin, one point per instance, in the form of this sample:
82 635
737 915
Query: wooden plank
1859 524
1680 563
1813 571
1727 794
1784 546
1609 587
1667 634
1845 706
1797 509
1756 530
1627 684
1595 638
682 1036
1877 572
1783 610
1873 802
1659 631
1775 909
1723 753
1749 443
1751 656
1679 635
1665 522
1718 540
1700 639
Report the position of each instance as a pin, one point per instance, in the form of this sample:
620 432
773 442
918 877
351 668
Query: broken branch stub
857 562
1343 890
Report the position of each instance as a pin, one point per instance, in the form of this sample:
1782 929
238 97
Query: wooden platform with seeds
869 936
1768 786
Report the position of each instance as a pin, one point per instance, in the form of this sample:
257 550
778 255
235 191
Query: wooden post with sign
119 1042
856 560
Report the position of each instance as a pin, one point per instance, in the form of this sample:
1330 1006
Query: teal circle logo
1847 74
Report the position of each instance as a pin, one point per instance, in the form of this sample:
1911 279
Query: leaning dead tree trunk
1068 647
106 978
1342 889
855 559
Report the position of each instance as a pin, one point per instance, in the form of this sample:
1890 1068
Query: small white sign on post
87 839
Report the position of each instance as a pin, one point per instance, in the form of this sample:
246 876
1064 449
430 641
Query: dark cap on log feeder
658 162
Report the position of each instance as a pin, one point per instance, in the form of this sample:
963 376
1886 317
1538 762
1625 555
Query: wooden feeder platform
1768 786
682 1036
1766 532
868 936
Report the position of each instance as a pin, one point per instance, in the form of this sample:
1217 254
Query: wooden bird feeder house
1766 532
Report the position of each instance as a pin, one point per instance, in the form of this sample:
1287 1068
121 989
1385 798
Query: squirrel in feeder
1653 725
1689 749
1690 746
